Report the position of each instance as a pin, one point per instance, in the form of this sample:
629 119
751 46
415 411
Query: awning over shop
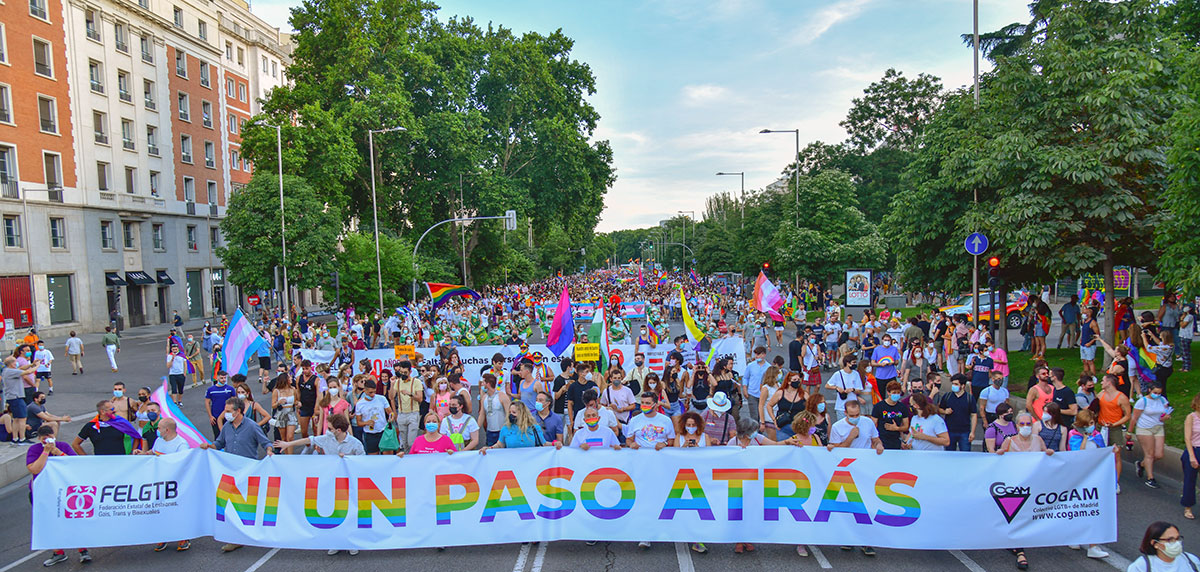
113 279
164 278
139 278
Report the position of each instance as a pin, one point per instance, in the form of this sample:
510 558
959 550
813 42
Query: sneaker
55 559
1073 546
699 548
85 556
1141 471
183 545
868 551
161 546
847 548
591 542
749 547
801 550
353 552
331 552
739 548
644 545
1152 483
1096 552
1118 489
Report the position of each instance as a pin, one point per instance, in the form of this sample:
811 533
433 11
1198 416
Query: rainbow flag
192 436
652 333
1144 359
662 280
440 293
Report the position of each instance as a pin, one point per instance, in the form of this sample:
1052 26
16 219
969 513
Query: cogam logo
1009 499
80 501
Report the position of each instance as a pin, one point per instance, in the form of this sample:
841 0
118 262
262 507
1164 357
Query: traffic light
766 266
995 275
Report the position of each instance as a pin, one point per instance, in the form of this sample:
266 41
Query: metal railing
101 138
43 69
37 9
152 149
150 104
128 144
97 86
93 33
49 126
125 96
9 188
186 158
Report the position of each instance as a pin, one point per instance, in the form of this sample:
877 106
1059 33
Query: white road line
966 561
521 557
540 557
31 556
820 556
684 555
1115 560
265 557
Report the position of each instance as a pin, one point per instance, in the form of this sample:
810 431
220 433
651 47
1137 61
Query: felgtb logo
80 502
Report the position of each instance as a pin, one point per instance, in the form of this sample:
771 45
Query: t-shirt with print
885 413
649 431
981 369
598 437
932 426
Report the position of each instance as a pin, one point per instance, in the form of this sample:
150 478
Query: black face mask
795 384
1008 417
512 419
453 411
143 398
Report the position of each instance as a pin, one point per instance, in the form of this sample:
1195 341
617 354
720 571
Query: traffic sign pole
975 289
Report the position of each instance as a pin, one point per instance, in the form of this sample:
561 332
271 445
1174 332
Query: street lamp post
797 169
692 217
282 225
511 221
374 206
742 201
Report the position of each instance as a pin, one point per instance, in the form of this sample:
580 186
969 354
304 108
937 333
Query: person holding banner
459 426
593 434
852 432
520 432
432 440
373 414
35 462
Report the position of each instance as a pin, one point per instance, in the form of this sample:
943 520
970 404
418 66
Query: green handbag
389 441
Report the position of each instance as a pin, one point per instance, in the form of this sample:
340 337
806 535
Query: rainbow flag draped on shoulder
440 293
1144 359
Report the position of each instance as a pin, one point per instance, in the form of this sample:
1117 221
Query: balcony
49 126
5 116
9 188
122 46
37 9
212 210
97 86
204 82
54 192
191 208
128 145
150 104
207 122
181 71
93 33
126 96
148 57
210 163
185 116
152 149
108 196
101 138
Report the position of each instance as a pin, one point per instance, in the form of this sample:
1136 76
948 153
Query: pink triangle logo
1009 499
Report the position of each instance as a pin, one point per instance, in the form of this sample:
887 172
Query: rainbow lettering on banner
246 506
773 501
842 483
341 503
369 496
883 490
548 490
271 507
506 481
686 483
446 504
736 477
587 492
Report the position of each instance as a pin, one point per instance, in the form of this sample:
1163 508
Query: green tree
252 247
893 111
1179 233
833 234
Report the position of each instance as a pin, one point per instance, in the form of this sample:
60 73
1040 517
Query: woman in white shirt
927 431
1149 413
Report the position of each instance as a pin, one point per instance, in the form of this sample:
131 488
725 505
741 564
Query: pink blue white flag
192 436
241 341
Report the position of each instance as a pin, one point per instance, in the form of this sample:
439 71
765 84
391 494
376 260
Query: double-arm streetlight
374 207
286 302
741 201
797 166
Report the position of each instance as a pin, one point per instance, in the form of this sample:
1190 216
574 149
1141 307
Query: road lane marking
820 556
521 557
966 561
265 557
540 557
684 555
31 556
1115 560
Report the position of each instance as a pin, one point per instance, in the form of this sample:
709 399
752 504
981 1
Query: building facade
120 132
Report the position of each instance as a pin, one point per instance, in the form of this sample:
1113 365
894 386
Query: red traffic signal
993 262
766 266
995 276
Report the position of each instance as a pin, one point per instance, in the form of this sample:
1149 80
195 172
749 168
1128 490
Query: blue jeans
1189 479
959 441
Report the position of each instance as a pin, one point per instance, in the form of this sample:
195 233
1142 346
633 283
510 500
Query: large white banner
787 495
477 359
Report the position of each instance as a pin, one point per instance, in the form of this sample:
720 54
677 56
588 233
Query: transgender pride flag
192 436
241 342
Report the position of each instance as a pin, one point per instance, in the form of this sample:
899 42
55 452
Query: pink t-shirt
340 407
423 445
999 361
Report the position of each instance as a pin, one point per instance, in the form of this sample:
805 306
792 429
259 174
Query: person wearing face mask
283 404
124 406
785 403
459 426
35 462
1001 428
719 425
1052 428
108 433
928 430
891 417
562 382
619 400
1190 458
214 401
550 422
407 394
1149 413
331 404
992 396
1161 550
575 392
848 383
38 415
960 410
520 432
752 380
855 431
440 400
979 364
177 368
373 414
192 353
635 379
884 359
1026 440
242 438
529 386
254 412
431 440
44 358
690 431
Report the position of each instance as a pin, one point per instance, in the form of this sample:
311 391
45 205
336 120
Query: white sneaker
1118 489
1073 546
1096 552
643 544
331 552
353 552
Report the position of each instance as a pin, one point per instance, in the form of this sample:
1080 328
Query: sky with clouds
685 86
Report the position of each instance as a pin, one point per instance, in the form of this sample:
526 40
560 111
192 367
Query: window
181 64
241 92
147 49
184 107
191 238
58 232
127 136
90 23
100 127
124 90
275 69
233 124
121 37
189 189
206 114
185 149
12 231
37 9
52 167
8 174
229 88
152 140
210 159
204 75
229 51
129 233
102 175
144 4
178 17
3 44
214 237
154 176
156 235
106 234
47 115
234 157
43 59
202 29
5 104
148 94
212 193
96 76
264 65
131 180
241 56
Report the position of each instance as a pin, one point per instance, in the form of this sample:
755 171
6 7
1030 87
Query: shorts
286 418
675 408
42 375
1116 436
264 362
18 408
1156 431
1039 331
1087 352
307 410
778 326
371 441
831 347
491 438
176 381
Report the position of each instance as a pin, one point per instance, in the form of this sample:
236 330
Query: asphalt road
141 364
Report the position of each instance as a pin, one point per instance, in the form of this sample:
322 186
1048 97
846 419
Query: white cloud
827 18
703 94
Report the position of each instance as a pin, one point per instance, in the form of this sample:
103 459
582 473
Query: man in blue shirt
1070 322
884 359
544 415
959 409
752 380
214 400
980 366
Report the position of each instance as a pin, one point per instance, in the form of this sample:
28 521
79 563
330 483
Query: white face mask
1025 431
333 391
1173 549
1046 418
229 416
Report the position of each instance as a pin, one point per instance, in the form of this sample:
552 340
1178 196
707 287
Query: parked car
1013 311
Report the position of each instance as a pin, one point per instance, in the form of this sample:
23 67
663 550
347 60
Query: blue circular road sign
976 243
